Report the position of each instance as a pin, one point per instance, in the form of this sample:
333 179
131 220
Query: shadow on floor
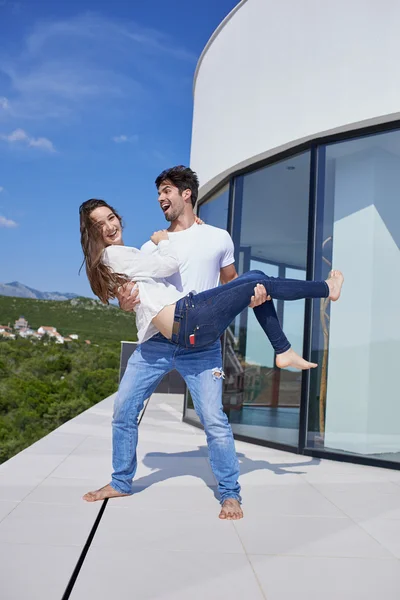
168 469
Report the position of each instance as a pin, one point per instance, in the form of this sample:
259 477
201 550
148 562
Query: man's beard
172 215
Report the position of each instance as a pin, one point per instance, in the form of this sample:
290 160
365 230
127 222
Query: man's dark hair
183 178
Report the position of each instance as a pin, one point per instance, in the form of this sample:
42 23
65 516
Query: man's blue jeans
146 367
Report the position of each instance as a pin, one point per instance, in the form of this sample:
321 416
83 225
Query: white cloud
4 103
16 136
19 135
121 139
42 143
89 62
7 222
91 26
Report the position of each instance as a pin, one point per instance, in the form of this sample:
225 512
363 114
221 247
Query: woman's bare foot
105 492
231 510
290 358
335 282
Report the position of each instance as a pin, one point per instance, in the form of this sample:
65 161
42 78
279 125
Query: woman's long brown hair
103 281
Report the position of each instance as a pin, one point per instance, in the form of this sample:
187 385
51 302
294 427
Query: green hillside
44 384
88 318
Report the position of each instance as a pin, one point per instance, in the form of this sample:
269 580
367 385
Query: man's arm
128 297
229 273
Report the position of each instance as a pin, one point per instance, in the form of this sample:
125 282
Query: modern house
296 141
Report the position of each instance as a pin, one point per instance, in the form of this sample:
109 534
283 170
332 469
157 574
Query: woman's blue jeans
204 317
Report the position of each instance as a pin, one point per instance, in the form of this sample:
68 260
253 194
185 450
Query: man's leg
146 367
202 371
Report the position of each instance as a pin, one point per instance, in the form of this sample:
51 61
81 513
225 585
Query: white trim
348 128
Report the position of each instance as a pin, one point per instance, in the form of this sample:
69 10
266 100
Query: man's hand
260 296
198 221
158 236
128 297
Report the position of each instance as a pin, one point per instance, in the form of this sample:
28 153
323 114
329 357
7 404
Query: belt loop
175 328
178 312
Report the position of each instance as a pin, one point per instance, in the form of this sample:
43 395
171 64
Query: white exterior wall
278 73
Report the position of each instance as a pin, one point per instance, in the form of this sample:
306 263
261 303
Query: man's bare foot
105 492
290 358
231 510
335 282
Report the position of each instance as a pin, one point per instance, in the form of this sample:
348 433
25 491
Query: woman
194 320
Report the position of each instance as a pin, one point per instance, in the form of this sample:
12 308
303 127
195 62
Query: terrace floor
312 529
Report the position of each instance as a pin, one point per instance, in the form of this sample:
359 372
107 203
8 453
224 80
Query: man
205 255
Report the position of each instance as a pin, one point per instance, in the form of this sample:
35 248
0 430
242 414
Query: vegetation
88 318
44 384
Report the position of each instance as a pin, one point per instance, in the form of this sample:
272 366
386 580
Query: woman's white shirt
149 272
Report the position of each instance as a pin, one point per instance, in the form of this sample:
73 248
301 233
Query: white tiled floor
44 524
312 529
166 575
321 578
35 571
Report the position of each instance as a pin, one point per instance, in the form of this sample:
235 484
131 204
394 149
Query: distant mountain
19 290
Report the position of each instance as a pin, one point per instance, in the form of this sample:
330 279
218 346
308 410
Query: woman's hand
158 236
198 221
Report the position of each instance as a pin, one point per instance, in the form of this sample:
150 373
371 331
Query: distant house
51 332
21 323
8 335
25 332
74 336
67 339
48 330
5 328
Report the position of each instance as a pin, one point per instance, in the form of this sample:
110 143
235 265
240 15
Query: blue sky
95 100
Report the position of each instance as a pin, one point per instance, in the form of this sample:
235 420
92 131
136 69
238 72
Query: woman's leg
229 300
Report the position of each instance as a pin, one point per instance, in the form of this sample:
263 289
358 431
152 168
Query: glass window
215 211
354 400
271 221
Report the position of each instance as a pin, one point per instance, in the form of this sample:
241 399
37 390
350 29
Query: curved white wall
277 73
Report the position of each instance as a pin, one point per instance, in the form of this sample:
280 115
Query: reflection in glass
354 400
215 211
271 218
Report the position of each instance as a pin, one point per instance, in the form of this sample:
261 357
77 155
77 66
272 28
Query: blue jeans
146 367
204 317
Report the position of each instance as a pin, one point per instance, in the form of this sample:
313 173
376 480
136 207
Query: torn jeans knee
218 373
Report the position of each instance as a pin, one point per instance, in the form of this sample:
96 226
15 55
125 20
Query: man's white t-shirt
201 250
189 261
